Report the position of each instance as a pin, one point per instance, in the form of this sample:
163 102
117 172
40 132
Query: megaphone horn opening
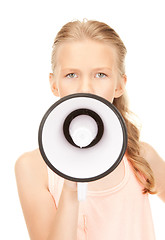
91 138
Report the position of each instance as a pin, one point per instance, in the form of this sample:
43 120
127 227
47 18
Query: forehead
86 52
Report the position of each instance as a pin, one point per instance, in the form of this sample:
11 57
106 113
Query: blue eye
71 75
101 75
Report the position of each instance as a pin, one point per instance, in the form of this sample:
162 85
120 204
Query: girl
88 57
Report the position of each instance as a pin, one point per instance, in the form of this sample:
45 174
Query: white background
27 32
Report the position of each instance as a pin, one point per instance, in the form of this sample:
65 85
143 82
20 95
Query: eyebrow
103 68
94 69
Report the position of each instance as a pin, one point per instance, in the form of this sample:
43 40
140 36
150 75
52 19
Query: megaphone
82 137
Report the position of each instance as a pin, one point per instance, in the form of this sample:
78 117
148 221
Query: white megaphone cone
82 138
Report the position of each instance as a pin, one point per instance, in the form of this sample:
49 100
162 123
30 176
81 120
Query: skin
92 68
88 67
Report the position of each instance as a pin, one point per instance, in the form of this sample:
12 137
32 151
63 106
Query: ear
53 84
120 88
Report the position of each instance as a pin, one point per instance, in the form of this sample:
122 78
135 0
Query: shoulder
29 158
149 153
31 165
37 203
157 165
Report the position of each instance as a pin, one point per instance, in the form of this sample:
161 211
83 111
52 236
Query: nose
86 86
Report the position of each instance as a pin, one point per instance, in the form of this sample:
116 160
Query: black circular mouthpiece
88 112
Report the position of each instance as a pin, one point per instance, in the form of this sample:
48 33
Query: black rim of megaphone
88 112
120 118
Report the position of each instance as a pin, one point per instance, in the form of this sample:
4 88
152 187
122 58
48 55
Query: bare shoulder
146 149
151 156
31 164
157 165
149 153
37 203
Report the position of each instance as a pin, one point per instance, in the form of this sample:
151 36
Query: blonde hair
99 31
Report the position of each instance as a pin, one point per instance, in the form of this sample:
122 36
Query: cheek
107 92
65 89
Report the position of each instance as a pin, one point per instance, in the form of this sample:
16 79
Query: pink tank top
121 212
